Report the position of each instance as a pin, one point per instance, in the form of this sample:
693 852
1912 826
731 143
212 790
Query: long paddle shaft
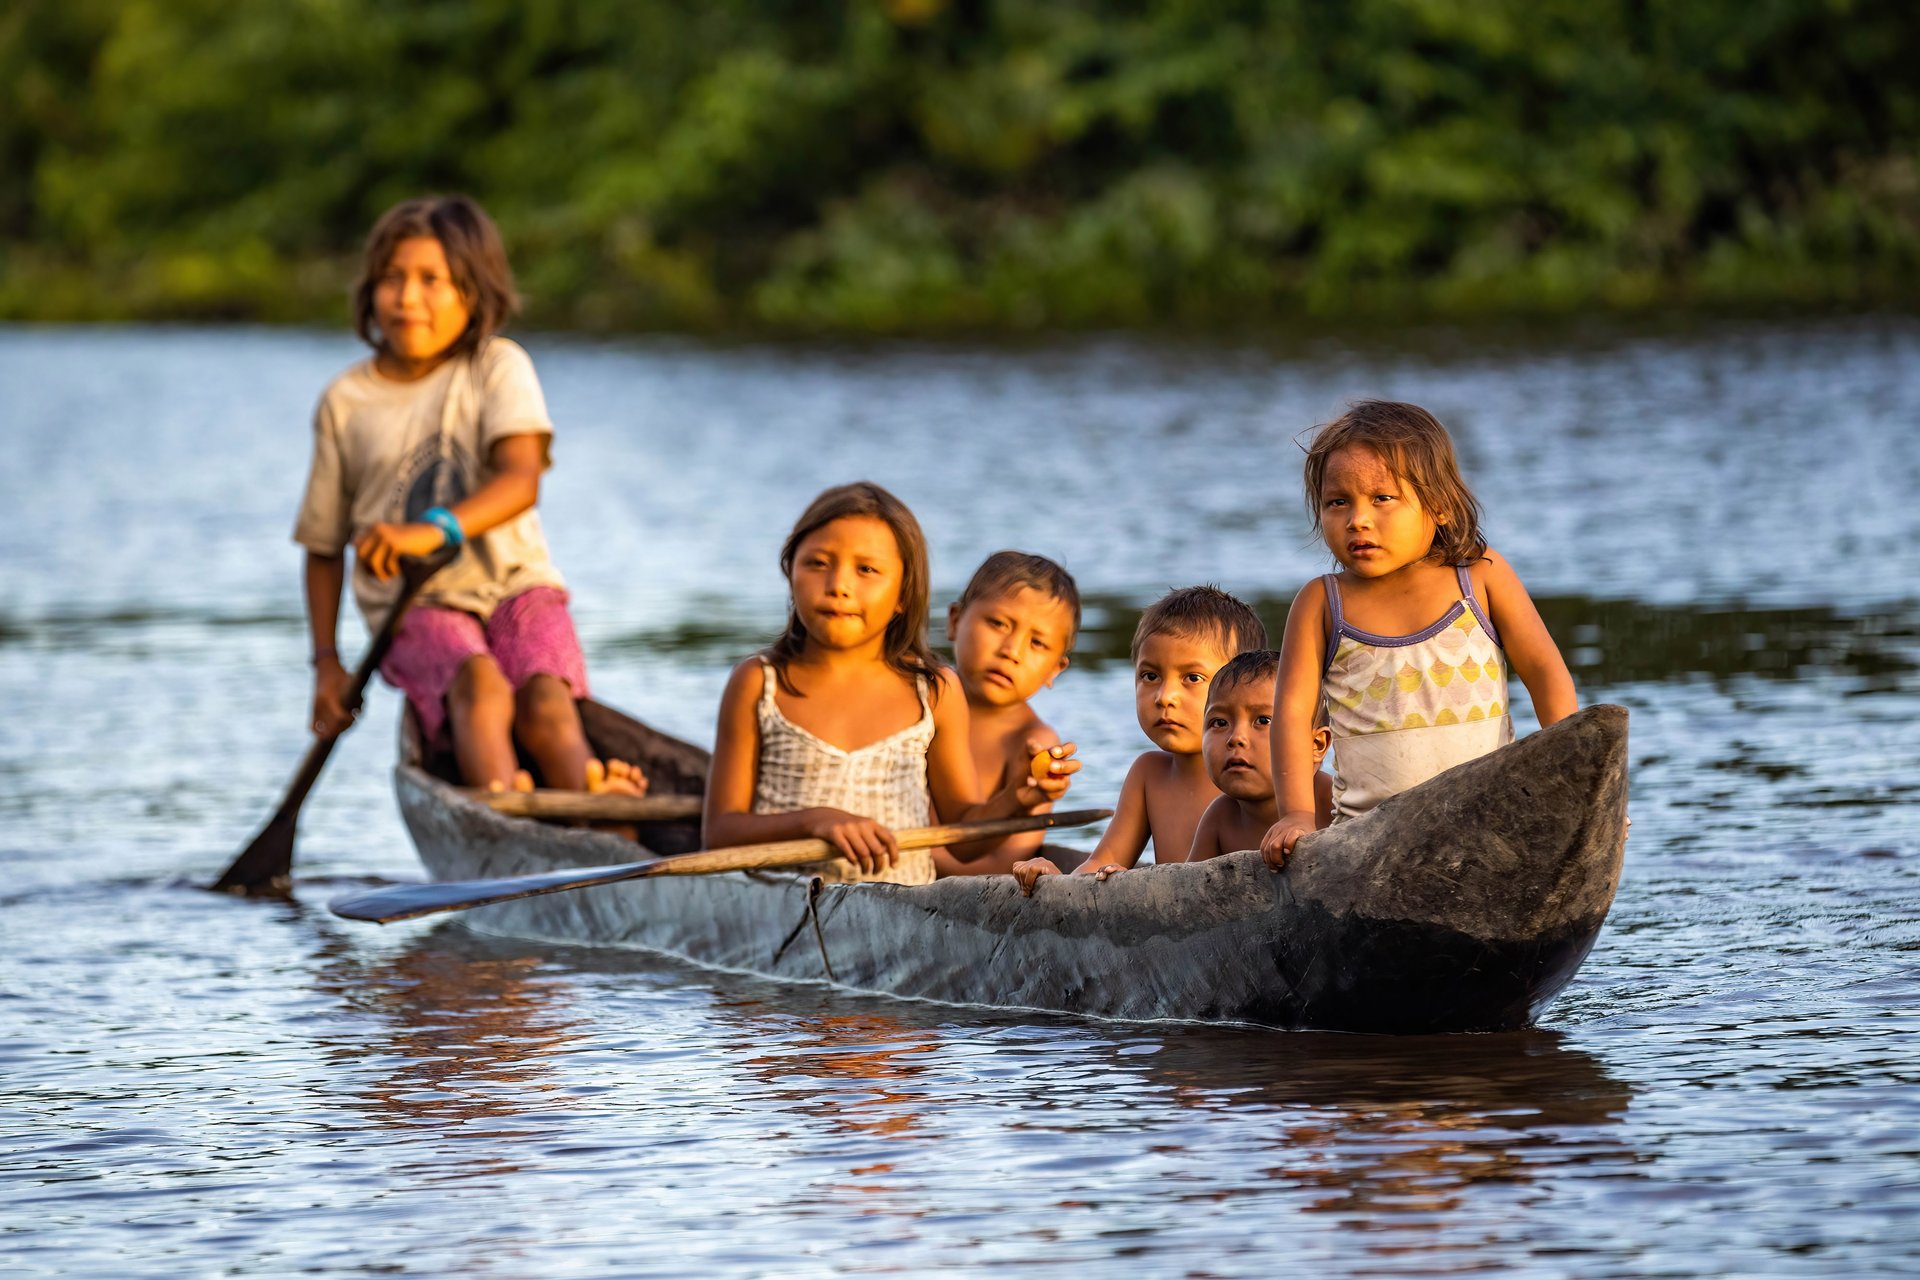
266 865
406 901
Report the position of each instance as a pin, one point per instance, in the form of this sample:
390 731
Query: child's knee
480 687
543 706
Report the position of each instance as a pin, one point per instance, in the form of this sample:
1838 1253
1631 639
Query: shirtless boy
1182 640
1011 629
1238 748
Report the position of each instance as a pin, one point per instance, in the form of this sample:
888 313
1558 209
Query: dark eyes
1216 722
1263 721
1147 677
1194 677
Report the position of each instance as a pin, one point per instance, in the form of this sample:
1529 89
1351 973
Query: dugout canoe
1465 904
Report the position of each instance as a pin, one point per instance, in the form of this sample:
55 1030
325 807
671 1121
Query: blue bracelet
447 523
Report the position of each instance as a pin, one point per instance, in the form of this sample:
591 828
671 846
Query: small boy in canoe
1238 747
1183 639
1012 630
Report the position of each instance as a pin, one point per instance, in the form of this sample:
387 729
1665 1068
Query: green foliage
914 165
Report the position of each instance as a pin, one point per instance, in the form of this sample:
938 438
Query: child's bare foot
616 777
522 781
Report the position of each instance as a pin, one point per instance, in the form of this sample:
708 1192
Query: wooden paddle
266 865
406 901
586 806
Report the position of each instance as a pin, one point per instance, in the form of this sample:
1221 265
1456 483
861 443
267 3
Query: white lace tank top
884 780
1404 708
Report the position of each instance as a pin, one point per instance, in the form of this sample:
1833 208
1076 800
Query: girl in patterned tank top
1407 647
847 727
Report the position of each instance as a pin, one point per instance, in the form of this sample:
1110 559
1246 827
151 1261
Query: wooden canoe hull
1465 904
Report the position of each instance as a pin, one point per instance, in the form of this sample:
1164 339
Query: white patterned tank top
1404 708
884 780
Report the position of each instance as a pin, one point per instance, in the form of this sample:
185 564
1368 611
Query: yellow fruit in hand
1040 768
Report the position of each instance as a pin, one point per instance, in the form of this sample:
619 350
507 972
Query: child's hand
330 714
381 547
1049 775
1029 870
865 843
1283 835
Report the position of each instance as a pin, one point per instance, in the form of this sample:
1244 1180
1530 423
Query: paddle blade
265 867
406 901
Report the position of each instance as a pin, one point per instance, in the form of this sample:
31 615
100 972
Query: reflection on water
469 1033
192 1084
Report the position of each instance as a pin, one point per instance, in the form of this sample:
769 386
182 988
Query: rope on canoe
811 915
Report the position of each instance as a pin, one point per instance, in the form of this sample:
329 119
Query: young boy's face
1009 646
1170 682
1238 740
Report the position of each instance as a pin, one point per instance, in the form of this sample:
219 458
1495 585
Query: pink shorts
529 635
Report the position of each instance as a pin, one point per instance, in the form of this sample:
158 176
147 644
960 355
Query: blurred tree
923 164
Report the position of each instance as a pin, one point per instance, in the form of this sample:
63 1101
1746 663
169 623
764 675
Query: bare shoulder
1308 619
747 680
1143 775
946 685
1496 583
1309 608
1151 768
1218 815
1492 569
949 700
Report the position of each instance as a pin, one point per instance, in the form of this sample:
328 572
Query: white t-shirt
387 451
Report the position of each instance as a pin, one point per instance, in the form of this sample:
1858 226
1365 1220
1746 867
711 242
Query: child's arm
325 575
516 462
1322 800
1303 655
1206 836
1531 652
1121 844
956 785
980 859
727 817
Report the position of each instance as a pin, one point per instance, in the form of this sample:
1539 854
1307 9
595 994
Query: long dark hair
906 649
1416 448
475 256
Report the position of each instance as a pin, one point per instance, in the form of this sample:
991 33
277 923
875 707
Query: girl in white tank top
847 728
1405 651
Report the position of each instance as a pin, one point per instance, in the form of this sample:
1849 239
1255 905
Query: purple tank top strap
1473 601
1331 584
1336 620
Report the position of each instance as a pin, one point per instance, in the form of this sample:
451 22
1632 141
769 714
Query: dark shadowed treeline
919 165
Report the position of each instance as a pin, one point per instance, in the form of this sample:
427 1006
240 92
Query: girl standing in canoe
847 727
1406 648
439 440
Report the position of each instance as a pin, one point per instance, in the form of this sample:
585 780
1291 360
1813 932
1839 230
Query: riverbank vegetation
920 166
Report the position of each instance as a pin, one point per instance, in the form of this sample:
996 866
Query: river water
1721 526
